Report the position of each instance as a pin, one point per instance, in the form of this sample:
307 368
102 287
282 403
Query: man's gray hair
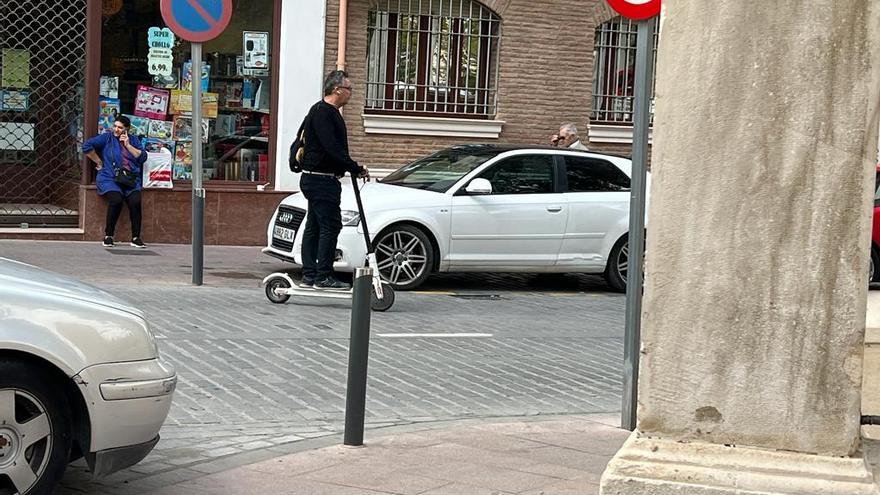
569 128
333 80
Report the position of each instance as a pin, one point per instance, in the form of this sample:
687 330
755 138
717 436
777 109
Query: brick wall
546 69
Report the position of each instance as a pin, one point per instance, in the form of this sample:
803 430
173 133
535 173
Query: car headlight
350 218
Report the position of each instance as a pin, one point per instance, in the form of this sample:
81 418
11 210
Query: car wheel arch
80 419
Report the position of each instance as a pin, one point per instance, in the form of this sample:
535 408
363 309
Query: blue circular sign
196 20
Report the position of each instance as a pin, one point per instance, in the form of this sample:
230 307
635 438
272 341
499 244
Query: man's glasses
345 87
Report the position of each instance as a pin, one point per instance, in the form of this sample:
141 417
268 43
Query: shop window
614 70
152 87
432 58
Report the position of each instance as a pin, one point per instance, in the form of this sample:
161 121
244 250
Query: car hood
21 277
377 196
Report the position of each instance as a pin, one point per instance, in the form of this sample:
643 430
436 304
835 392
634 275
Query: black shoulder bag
298 149
124 177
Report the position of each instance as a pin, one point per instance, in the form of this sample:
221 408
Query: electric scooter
279 285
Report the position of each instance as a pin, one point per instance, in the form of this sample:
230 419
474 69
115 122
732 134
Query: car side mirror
478 187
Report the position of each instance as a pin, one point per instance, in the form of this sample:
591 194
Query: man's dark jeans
323 223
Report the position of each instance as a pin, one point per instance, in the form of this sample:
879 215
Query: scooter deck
312 292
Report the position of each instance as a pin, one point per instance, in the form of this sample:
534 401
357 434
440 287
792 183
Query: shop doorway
42 59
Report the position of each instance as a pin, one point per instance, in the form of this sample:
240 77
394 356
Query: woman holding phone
118 159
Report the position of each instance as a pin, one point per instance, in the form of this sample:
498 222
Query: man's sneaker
307 282
108 241
332 284
138 243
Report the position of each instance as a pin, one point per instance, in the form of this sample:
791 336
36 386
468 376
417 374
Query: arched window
614 67
437 58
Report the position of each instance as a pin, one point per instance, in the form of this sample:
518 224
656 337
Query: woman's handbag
124 177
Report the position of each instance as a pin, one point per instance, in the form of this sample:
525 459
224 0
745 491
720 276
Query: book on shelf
187 77
249 164
151 103
182 129
226 124
247 93
161 129
180 103
108 109
262 167
234 94
140 126
182 161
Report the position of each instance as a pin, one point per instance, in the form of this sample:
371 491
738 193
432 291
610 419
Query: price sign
160 38
160 60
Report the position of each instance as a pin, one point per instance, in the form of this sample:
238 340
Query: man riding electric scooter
325 161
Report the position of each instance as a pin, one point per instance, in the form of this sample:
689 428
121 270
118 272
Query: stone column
758 235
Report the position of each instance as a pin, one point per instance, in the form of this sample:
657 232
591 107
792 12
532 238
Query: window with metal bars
432 57
614 70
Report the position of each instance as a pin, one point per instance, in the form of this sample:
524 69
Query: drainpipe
343 29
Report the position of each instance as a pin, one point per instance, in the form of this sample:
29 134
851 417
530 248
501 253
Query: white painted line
433 335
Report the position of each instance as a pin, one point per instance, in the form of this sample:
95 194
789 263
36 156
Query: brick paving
255 375
258 379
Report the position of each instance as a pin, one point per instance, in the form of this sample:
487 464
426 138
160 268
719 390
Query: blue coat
110 151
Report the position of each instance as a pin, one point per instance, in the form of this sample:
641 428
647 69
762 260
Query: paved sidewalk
558 455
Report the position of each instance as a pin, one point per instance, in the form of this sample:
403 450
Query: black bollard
358 352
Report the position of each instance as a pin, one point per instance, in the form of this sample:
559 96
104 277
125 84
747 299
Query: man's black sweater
326 147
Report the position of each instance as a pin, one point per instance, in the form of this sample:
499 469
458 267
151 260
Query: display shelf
243 109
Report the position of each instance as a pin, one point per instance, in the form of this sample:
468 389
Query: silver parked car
80 376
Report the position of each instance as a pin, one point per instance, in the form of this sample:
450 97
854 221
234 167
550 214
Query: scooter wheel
273 285
387 298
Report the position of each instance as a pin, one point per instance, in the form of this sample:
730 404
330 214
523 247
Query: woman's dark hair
124 120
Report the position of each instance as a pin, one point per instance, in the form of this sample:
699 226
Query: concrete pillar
754 309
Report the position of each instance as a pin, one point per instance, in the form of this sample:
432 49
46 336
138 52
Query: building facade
426 74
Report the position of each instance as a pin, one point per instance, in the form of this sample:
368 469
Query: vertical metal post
198 192
358 352
641 121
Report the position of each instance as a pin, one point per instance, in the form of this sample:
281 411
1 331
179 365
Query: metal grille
42 59
296 217
432 56
614 71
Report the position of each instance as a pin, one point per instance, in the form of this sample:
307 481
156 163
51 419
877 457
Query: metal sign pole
198 193
641 121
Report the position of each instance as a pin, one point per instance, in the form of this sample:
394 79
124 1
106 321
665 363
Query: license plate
284 234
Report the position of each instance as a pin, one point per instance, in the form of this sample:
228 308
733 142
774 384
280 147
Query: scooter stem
360 205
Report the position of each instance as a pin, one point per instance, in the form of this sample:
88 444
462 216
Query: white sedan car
482 208
80 375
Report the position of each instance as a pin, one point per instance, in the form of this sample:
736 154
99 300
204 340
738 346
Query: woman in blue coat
112 151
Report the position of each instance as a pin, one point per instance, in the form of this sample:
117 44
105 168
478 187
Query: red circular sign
636 9
196 20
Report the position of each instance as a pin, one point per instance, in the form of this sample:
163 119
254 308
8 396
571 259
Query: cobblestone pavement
259 380
254 375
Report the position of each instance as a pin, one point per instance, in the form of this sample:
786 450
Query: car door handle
554 209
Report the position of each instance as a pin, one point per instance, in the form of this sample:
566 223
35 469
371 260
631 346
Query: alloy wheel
25 440
402 257
623 261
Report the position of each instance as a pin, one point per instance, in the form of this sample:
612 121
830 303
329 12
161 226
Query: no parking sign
196 20
636 10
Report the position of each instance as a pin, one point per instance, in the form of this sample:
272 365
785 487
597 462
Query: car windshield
439 171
